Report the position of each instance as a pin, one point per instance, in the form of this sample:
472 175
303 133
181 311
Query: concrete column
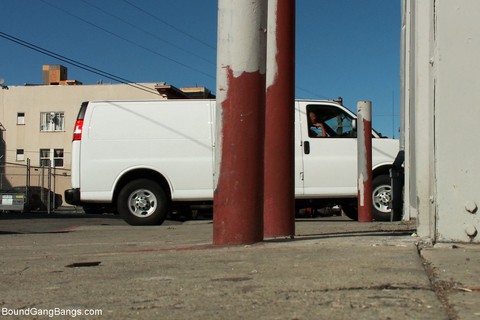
240 120
279 193
420 175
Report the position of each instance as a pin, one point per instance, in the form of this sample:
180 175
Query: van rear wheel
142 202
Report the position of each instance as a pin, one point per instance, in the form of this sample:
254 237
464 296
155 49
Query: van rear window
83 109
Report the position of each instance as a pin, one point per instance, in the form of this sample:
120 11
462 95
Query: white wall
441 79
457 114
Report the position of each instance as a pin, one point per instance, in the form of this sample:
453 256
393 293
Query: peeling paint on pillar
364 140
279 203
238 197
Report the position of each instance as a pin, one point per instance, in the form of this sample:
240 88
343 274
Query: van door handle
306 147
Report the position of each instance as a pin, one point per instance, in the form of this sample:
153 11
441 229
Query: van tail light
77 132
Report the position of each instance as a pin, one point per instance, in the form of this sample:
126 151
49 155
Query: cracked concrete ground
336 269
454 274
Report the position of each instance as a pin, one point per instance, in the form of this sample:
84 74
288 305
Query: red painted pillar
240 120
364 140
279 184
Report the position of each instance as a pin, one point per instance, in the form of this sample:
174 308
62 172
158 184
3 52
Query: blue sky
343 47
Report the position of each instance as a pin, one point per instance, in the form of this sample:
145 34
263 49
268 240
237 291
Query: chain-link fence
41 188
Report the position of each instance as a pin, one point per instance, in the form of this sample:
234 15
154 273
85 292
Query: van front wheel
142 202
381 199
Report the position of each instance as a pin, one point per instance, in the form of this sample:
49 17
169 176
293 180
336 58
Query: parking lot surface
335 268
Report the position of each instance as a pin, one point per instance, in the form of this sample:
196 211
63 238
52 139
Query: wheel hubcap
142 203
382 198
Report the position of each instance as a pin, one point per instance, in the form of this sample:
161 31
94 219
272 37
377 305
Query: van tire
142 202
381 196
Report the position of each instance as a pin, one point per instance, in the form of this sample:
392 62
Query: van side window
325 121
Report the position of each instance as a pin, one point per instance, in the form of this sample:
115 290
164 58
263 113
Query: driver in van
316 128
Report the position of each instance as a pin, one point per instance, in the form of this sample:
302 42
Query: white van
146 158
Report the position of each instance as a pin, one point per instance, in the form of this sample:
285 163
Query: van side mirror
354 124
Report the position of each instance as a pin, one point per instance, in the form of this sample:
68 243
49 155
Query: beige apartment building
37 121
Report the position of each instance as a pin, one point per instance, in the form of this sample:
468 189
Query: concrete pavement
333 269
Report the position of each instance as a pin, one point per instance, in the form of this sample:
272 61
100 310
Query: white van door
298 141
329 149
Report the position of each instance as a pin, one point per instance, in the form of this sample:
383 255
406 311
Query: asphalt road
11 223
36 222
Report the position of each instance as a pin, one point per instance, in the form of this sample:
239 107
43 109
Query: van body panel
174 139
298 153
76 151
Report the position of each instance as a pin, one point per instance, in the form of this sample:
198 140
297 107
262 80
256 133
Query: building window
20 155
52 121
58 158
20 118
44 157
51 157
